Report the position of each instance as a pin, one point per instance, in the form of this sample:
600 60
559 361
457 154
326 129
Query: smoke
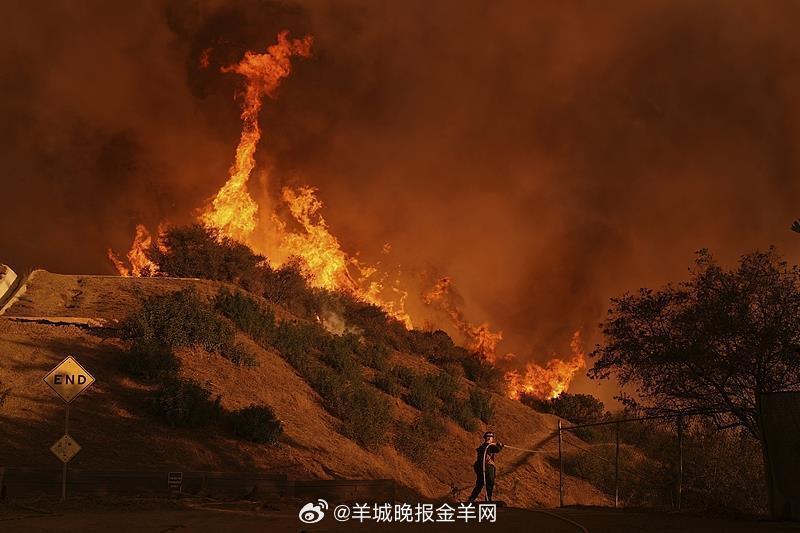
543 156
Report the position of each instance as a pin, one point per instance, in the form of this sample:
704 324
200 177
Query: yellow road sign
69 379
65 448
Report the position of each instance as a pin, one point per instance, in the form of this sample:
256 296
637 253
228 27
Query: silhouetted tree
712 344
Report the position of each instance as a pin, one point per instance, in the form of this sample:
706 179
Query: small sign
69 379
175 481
65 448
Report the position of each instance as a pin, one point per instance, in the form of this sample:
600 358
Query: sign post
68 379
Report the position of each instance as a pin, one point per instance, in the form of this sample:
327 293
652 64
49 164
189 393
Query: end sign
68 379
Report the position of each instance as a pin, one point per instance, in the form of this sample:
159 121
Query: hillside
59 315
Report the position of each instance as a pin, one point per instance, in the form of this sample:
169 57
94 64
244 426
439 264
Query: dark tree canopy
577 408
710 344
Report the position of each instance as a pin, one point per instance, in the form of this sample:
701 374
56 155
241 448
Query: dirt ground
198 516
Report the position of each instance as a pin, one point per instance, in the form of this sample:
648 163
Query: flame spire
233 212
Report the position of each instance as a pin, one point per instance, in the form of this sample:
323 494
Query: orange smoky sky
544 156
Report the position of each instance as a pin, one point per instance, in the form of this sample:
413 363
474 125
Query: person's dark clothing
490 474
488 455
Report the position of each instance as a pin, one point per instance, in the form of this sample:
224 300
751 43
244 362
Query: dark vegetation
184 403
415 440
167 322
4 392
711 346
256 423
331 364
196 251
182 319
577 408
720 468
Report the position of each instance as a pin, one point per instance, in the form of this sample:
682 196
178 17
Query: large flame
325 263
548 381
233 212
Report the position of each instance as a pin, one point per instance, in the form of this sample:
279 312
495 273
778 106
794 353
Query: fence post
680 462
560 469
616 467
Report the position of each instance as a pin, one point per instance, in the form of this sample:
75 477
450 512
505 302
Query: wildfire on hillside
140 264
479 338
544 382
234 214
548 381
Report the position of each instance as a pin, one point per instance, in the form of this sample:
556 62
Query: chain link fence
668 463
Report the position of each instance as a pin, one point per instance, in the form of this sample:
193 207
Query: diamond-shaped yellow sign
69 379
65 448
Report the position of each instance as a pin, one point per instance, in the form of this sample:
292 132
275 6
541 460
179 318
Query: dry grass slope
116 431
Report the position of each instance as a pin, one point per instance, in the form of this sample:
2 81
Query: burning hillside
305 237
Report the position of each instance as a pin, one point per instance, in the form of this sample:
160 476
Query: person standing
484 466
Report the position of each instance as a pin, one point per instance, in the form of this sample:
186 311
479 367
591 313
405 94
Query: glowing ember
548 381
140 265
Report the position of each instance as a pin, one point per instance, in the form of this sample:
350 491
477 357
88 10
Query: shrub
415 440
443 385
420 394
329 384
199 252
366 416
256 423
481 404
461 413
150 361
483 373
577 408
375 323
373 355
337 351
287 286
436 346
387 382
405 376
239 354
297 337
184 403
256 320
454 369
179 319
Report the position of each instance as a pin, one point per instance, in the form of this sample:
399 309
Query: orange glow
548 381
205 57
233 212
304 235
140 265
326 265
479 338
